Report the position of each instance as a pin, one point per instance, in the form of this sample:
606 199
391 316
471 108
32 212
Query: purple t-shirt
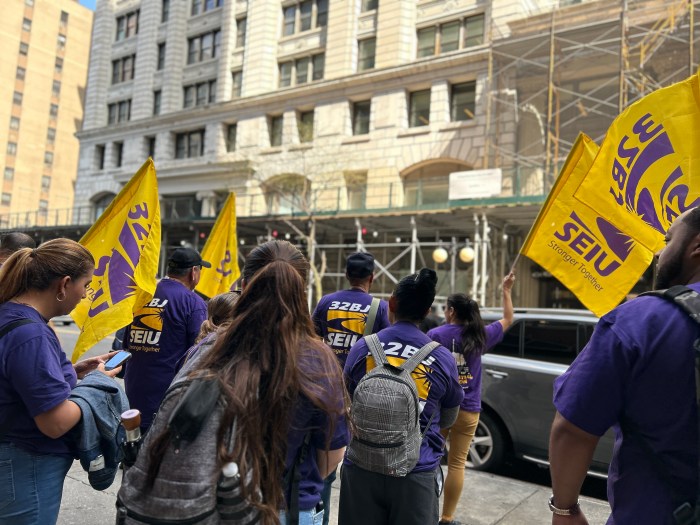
469 370
160 334
639 367
340 319
35 376
436 380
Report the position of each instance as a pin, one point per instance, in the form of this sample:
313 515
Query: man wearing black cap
343 317
162 331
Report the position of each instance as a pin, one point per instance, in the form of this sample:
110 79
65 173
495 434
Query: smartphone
117 360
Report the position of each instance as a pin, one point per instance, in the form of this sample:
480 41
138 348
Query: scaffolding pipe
484 259
453 264
691 36
477 258
550 92
414 244
489 84
622 99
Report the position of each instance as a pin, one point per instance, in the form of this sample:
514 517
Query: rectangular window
305 125
203 47
161 56
360 117
231 132
164 11
53 111
201 6
276 126
319 62
58 66
17 98
449 37
21 73
119 112
64 19
56 88
26 24
48 158
474 31
23 48
118 151
419 108
12 148
462 101
190 144
45 183
123 69
100 156
51 135
305 12
237 83
289 14
156 101
127 25
9 173
369 5
43 205
241 25
29 3
321 13
426 42
303 70
6 198
286 74
151 146
61 42
366 51
199 94
14 123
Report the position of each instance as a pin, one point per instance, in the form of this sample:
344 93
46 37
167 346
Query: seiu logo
607 252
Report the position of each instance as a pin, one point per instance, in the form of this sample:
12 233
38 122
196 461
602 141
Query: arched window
288 194
100 204
429 182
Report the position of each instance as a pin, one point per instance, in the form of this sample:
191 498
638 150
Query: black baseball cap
359 265
186 258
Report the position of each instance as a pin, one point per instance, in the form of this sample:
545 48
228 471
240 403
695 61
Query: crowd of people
296 385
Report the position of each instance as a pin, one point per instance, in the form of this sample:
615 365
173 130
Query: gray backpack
386 413
190 487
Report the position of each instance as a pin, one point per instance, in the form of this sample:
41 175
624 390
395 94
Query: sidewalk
487 499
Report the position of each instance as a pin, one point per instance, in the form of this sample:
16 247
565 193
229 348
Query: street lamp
466 254
440 255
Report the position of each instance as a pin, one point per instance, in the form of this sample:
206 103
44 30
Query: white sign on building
475 184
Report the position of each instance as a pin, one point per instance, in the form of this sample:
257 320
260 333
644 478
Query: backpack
386 412
687 513
191 487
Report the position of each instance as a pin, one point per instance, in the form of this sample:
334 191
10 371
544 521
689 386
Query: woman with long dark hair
36 378
281 383
468 339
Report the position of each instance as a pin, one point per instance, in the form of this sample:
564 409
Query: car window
510 345
551 341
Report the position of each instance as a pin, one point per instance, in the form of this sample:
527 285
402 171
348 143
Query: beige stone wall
34 112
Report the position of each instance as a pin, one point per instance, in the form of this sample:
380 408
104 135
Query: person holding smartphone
36 377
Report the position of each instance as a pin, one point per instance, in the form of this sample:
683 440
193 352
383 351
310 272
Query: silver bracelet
571 511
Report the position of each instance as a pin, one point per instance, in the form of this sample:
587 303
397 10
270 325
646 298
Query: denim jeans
31 486
306 517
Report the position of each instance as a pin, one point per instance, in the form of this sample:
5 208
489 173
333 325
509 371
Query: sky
88 3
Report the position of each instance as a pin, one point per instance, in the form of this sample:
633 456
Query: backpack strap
412 362
376 349
371 316
293 480
3 332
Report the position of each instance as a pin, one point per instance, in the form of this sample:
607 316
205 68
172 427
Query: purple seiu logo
223 264
117 269
634 162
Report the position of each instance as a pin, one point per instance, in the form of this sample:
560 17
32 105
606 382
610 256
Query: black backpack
190 488
687 513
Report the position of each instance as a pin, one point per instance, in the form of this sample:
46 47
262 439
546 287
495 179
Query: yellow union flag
221 249
591 257
125 242
646 172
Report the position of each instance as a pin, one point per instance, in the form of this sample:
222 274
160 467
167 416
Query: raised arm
507 320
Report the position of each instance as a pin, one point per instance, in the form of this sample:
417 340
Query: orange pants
460 434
